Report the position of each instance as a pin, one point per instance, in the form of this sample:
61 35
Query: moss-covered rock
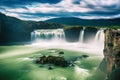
55 60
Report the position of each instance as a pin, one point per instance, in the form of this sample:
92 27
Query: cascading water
82 35
55 38
99 38
33 36
97 43
48 34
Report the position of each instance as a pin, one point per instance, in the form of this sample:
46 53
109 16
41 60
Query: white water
48 34
99 36
81 72
58 41
82 35
33 36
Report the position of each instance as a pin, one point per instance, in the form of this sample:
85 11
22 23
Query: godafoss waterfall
55 54
58 38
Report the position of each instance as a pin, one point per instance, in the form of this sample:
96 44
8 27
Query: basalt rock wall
73 34
111 61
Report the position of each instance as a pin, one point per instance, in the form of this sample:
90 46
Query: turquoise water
17 63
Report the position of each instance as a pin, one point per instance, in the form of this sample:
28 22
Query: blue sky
46 9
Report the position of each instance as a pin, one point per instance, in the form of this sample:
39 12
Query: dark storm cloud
70 14
102 7
76 1
99 13
20 3
53 14
36 9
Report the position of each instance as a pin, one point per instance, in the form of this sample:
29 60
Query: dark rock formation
72 34
84 56
111 61
61 53
56 60
50 67
89 34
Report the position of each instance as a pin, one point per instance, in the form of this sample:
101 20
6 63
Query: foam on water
81 72
96 46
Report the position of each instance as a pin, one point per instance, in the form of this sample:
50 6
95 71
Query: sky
40 10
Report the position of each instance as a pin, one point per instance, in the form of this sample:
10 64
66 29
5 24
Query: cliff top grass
98 27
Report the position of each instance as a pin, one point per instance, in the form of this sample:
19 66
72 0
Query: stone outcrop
89 34
72 34
111 61
55 60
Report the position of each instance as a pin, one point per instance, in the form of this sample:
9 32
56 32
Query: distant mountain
86 22
16 30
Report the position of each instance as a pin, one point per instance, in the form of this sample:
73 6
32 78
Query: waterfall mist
55 38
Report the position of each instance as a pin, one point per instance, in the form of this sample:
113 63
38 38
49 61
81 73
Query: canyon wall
111 62
73 34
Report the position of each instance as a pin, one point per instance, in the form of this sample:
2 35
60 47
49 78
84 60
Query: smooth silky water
17 62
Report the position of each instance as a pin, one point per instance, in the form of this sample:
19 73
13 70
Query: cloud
101 5
43 9
76 1
19 3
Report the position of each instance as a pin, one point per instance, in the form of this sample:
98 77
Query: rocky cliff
111 59
72 34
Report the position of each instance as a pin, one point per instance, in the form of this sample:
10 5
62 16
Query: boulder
56 60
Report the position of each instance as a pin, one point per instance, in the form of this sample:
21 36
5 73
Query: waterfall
48 34
33 36
99 38
82 35
55 38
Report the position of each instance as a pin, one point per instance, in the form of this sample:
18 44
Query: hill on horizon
85 22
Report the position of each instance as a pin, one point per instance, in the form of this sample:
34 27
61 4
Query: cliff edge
111 62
